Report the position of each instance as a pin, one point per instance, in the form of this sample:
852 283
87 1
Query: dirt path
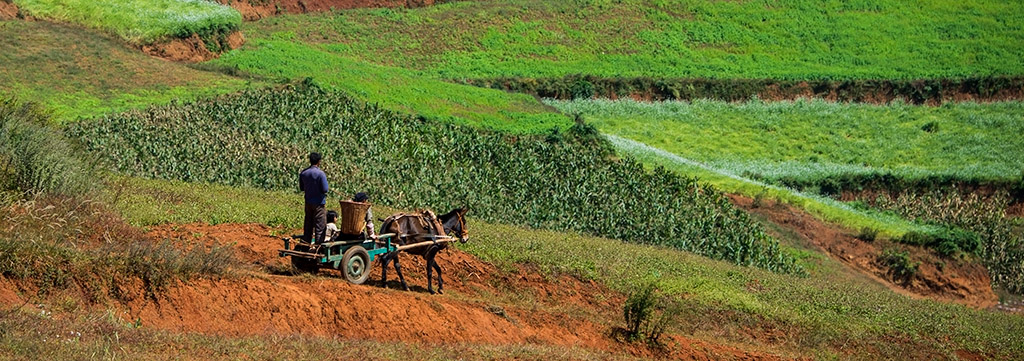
482 304
938 278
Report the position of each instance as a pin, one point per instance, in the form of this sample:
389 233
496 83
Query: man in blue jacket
313 182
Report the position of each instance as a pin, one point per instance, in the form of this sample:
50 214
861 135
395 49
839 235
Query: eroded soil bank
937 278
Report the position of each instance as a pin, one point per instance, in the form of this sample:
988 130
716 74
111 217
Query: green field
807 142
76 73
140 21
801 39
280 56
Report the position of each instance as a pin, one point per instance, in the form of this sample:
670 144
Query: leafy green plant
260 138
899 263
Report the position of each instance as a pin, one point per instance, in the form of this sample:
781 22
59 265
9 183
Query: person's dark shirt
313 181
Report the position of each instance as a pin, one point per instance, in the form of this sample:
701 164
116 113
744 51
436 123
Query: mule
418 227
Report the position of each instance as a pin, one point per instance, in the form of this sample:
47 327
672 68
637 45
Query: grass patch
152 202
280 56
140 21
682 39
76 73
811 144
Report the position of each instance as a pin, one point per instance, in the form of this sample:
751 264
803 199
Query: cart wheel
355 265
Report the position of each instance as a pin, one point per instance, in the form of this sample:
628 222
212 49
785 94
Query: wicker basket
353 217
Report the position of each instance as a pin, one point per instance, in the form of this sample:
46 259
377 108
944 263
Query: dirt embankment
938 278
258 9
482 304
874 91
8 10
193 48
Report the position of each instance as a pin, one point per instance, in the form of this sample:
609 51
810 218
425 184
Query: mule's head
455 223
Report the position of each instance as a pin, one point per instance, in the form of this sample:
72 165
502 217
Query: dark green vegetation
563 181
76 73
281 57
140 21
918 91
833 313
801 39
648 313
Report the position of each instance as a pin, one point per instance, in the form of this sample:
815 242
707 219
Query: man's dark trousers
315 223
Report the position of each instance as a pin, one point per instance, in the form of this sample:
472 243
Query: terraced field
143 200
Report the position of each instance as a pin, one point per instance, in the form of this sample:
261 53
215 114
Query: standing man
313 181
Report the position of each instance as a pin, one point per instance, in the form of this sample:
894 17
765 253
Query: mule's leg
431 265
440 280
398 269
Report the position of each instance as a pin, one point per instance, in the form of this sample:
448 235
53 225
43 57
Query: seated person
361 197
332 227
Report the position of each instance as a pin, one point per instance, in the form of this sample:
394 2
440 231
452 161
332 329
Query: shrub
648 313
900 266
157 264
947 241
868 234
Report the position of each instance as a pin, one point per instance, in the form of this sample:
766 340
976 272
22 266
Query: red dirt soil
8 10
482 304
191 49
258 9
950 280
